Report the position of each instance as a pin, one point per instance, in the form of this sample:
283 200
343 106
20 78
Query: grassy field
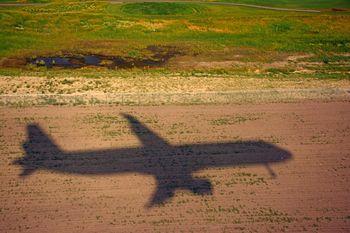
24 1
82 25
313 4
205 40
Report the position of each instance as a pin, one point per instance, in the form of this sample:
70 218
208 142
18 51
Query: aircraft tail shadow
39 148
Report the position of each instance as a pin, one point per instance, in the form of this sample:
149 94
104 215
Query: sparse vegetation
230 120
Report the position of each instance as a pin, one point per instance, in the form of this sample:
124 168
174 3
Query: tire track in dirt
204 2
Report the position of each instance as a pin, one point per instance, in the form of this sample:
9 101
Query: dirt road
224 4
310 191
204 2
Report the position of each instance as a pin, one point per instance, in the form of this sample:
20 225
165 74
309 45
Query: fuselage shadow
172 166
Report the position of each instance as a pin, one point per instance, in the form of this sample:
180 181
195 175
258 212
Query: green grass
61 26
164 8
313 4
27 1
203 30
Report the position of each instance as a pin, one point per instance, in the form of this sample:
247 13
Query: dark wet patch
339 9
158 56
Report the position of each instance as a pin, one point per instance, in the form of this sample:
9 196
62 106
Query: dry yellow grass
142 84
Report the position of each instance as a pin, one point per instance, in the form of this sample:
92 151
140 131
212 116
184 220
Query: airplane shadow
172 166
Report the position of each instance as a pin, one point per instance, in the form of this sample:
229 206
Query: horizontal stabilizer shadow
172 166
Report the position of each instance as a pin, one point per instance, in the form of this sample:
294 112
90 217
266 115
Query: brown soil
248 61
309 193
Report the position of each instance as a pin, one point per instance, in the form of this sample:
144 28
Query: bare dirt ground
309 193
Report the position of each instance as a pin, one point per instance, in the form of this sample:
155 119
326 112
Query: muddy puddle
156 57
